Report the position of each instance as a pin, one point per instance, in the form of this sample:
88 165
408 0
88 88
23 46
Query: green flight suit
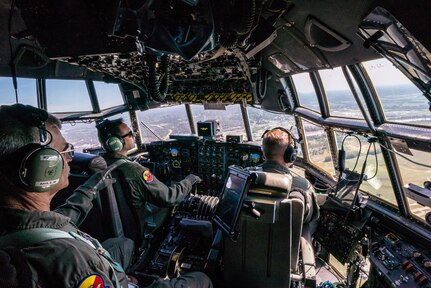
143 187
58 262
302 188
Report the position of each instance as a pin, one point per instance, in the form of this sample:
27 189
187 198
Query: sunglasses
69 151
131 134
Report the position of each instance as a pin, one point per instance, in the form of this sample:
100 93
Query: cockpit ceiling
284 37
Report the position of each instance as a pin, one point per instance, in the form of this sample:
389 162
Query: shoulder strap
32 236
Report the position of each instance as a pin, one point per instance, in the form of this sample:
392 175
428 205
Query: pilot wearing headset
142 187
34 159
279 148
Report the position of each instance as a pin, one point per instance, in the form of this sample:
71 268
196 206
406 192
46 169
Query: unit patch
93 281
148 177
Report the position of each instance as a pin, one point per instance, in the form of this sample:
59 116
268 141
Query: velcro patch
92 281
148 176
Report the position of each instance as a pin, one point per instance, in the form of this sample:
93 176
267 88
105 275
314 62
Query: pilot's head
115 136
279 145
26 166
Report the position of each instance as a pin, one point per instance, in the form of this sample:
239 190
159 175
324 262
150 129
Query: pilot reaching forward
142 188
34 159
140 185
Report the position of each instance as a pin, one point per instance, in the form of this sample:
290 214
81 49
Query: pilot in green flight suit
58 254
142 187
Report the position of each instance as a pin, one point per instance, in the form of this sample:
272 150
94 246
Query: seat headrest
273 180
85 163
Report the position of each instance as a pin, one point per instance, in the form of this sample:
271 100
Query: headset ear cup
290 154
114 143
40 168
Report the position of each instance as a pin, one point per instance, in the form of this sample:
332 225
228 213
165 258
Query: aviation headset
291 152
35 167
112 143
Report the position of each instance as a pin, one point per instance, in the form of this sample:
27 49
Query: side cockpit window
305 90
402 101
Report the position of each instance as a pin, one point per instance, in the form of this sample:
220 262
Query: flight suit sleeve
77 206
146 187
303 190
71 263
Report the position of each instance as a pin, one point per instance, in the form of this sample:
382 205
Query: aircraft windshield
318 147
67 96
109 95
340 97
26 91
306 93
402 101
262 120
414 173
378 183
231 122
163 122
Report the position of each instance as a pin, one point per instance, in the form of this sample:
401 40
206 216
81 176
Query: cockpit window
305 90
262 120
163 122
340 97
67 96
414 173
109 95
402 101
26 91
231 122
378 183
318 147
81 135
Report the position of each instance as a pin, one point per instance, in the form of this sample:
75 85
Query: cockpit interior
199 82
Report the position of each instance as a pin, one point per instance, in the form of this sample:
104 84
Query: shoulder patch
92 281
148 176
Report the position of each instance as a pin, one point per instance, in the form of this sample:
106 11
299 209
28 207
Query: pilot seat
271 250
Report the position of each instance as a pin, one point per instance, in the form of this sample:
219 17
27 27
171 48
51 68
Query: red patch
148 177
92 281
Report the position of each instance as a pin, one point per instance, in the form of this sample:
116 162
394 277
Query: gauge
244 156
174 152
255 158
176 164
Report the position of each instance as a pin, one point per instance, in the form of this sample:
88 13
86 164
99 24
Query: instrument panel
176 158
398 262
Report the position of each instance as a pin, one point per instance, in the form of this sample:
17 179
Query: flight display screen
229 208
